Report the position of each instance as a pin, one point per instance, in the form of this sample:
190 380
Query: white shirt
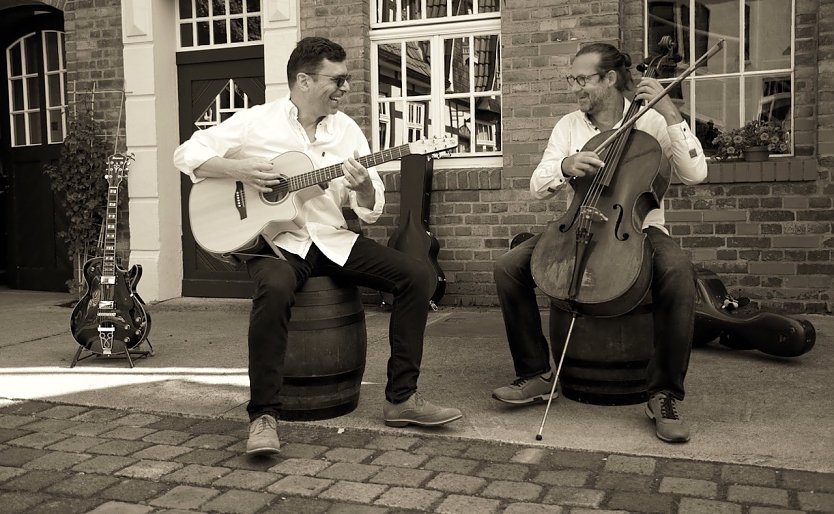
575 129
268 130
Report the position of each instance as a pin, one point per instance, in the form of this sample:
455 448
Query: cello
572 261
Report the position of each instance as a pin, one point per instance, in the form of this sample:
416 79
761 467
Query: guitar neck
326 174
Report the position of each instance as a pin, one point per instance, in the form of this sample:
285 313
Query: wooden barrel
325 353
607 358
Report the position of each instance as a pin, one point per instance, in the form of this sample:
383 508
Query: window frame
211 19
435 30
741 75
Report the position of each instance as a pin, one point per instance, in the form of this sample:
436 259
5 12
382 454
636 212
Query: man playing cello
600 77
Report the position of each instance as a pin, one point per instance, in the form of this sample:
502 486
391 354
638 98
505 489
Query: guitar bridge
105 337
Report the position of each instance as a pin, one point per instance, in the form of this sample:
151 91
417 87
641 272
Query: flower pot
756 154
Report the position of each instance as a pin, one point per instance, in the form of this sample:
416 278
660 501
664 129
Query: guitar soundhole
279 191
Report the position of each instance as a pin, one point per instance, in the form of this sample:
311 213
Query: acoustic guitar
227 216
110 318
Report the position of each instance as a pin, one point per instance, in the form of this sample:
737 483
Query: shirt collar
291 111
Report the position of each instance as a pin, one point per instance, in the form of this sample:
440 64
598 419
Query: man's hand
581 164
359 180
648 89
256 172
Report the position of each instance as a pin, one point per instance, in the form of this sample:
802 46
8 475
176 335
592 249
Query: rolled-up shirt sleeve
547 178
685 153
221 140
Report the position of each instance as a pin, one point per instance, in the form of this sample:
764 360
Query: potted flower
754 141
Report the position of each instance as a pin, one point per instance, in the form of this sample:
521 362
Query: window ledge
780 169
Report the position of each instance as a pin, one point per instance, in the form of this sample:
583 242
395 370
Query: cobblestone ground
73 459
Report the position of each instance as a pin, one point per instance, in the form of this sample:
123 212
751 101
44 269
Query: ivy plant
77 178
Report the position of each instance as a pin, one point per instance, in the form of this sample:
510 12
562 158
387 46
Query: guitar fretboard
328 173
115 171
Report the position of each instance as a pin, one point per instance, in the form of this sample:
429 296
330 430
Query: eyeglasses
581 79
338 79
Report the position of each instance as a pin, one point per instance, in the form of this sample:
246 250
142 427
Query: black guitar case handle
719 315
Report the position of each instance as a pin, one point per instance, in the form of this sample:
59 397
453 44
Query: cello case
741 327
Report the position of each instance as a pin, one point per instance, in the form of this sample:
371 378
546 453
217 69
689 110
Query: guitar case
738 325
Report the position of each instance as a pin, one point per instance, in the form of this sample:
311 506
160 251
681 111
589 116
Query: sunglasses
338 79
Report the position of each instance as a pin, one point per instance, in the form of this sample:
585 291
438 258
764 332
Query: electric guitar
110 318
227 216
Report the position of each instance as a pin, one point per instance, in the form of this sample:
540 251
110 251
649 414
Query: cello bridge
593 214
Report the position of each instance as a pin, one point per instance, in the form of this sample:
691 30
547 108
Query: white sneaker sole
527 401
265 450
399 423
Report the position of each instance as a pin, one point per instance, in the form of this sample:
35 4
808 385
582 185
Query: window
751 78
36 71
218 23
436 71
225 104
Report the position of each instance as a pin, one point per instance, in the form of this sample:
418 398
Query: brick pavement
72 459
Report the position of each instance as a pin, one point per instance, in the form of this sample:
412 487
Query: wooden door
212 85
32 93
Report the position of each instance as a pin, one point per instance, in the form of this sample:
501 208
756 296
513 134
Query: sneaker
263 436
663 409
417 411
524 391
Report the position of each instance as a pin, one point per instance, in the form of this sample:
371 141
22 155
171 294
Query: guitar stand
127 354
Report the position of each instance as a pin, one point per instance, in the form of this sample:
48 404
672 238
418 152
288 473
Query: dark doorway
212 85
32 109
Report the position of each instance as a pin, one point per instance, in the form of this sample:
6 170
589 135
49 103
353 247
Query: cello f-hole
624 236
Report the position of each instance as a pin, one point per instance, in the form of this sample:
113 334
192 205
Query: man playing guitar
308 120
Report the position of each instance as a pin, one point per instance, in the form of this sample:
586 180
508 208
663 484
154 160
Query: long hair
611 59
309 54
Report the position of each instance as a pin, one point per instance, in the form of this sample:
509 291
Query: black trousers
673 308
370 264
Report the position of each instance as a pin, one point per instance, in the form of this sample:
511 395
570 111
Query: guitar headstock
433 145
117 165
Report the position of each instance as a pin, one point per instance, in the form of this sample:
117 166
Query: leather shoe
417 411
670 427
263 436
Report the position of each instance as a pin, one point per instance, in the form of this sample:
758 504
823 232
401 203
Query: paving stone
136 420
196 475
149 469
245 479
204 457
641 502
442 447
300 467
133 490
457 504
451 464
490 452
688 469
752 475
401 476
536 508
7 472
62 412
391 442
254 463
211 441
302 450
348 454
400 459
98 415
34 480
128 433
10 434
574 496
76 444
220 427
773 510
517 472
104 464
757 495
628 464
563 477
66 506
89 429
284 505
173 423
454 483
700 506
185 497
521 491
118 447
26 408
172 437
344 490
820 502
576 459
113 507
408 498
37 440
57 461
529 456
15 502
597 511
807 481
624 482
300 485
688 487
14 421
50 425
160 452
17 457
238 502
82 484
349 471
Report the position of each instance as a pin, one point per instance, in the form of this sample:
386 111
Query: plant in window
754 135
